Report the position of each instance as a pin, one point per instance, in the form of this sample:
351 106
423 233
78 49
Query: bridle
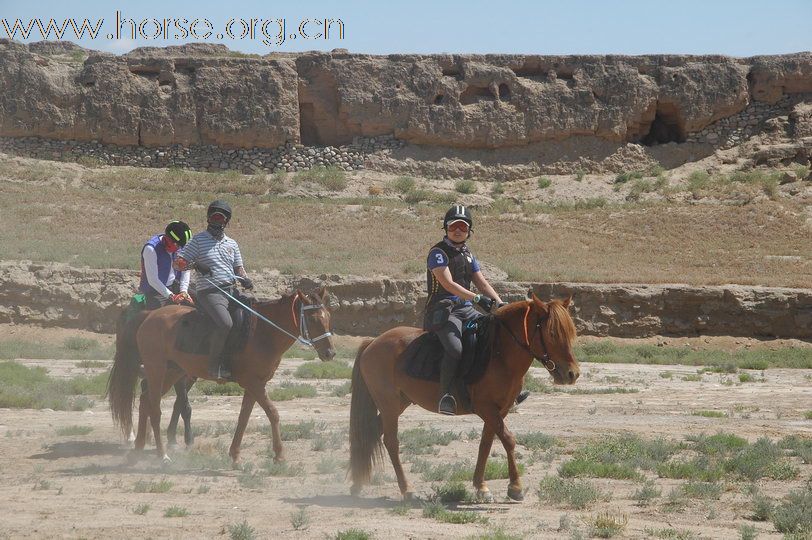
304 331
544 359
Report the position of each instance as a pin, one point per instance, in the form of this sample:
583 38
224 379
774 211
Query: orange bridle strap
526 333
293 311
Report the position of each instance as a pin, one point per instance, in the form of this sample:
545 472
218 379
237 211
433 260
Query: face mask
216 230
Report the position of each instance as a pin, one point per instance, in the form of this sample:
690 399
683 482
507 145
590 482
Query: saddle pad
195 330
423 355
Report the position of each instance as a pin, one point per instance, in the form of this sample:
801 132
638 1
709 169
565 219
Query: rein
304 333
544 359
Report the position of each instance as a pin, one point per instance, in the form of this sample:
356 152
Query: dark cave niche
308 132
668 126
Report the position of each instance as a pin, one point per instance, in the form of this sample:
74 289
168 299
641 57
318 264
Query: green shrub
176 511
324 370
576 494
76 343
403 184
465 187
422 440
794 514
535 440
241 531
452 492
211 388
353 534
626 176
331 178
544 182
287 391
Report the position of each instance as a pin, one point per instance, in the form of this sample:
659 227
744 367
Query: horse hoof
355 490
410 496
515 494
484 495
165 460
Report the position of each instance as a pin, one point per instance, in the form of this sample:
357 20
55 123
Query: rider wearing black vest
451 268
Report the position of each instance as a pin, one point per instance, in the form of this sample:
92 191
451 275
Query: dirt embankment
59 295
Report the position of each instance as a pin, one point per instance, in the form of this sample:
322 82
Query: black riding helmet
219 206
456 213
179 232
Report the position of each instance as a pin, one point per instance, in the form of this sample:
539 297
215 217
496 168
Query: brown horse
126 327
296 316
381 389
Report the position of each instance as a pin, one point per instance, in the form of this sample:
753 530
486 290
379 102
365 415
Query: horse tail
124 374
366 447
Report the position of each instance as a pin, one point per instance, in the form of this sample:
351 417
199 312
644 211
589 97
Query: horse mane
561 323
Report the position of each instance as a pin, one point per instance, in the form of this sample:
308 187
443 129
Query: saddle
195 329
423 356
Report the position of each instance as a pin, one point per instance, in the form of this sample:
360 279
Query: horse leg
509 442
389 421
245 414
182 408
186 412
172 429
257 389
485 443
159 381
143 416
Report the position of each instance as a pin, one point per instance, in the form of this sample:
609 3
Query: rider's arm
150 259
186 255
484 287
443 275
184 281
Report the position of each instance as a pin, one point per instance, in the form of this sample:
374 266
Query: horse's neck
515 357
281 314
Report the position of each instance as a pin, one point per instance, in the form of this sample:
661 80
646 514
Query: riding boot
524 394
448 369
216 368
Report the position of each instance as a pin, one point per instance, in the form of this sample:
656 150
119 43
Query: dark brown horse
297 316
381 389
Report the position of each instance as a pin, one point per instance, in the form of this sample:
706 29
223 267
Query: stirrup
448 405
222 373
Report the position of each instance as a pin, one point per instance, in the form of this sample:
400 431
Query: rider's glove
247 283
484 302
177 298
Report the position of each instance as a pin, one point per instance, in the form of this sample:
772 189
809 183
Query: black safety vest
460 264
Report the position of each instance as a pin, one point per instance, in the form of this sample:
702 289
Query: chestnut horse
381 389
294 317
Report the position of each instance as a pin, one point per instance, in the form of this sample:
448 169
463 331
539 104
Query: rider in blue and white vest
160 283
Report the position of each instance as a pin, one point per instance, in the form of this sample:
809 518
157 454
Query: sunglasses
458 226
218 217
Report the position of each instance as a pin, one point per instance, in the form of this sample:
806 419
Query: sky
733 28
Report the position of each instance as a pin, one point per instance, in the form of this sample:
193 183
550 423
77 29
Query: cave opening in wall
667 126
308 133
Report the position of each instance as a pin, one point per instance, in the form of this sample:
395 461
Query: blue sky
735 28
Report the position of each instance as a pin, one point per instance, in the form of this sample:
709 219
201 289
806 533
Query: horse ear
301 295
322 294
568 302
530 294
540 305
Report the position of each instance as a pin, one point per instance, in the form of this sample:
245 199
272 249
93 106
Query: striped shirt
221 256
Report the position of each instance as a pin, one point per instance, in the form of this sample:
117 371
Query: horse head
314 322
556 332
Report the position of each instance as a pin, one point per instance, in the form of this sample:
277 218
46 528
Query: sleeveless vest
164 264
460 263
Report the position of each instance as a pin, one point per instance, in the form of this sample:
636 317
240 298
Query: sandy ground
81 486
